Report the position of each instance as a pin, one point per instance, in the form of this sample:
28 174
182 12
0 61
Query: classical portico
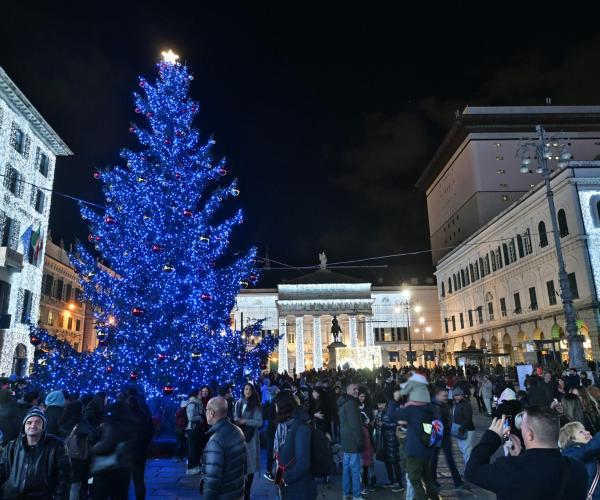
306 307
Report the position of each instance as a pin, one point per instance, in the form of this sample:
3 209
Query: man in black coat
35 464
538 473
440 401
224 455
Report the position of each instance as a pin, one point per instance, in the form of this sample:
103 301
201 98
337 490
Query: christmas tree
162 310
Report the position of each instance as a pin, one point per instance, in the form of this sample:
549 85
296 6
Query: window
377 331
471 272
481 267
527 242
70 323
12 181
453 323
403 333
573 285
78 326
17 139
462 321
563 228
26 308
291 338
533 299
59 289
462 277
38 200
517 299
456 287
49 281
43 163
505 251
491 310
470 317
511 251
499 257
543 234
449 285
520 246
50 318
493 255
4 296
467 275
443 289
480 314
551 292
10 233
503 307
68 292
476 267
446 324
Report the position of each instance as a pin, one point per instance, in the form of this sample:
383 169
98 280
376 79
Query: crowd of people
70 446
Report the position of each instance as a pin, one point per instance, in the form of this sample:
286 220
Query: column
317 345
369 335
283 346
299 344
353 331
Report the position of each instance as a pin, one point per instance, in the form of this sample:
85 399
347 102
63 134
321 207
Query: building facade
28 151
301 311
474 175
62 313
499 289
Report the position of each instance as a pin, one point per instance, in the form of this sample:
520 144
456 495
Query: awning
556 333
538 334
582 328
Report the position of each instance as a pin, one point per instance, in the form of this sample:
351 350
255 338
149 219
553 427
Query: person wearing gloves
35 464
575 442
55 403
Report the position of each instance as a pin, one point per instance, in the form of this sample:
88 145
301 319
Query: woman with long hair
292 450
320 411
570 410
590 409
248 416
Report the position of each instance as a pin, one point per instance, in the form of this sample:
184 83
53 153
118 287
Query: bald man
224 455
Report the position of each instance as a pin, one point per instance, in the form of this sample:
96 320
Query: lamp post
543 152
406 303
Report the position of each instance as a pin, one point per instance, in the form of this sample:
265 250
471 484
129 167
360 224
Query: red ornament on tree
206 297
138 110
222 172
109 220
187 213
162 356
132 129
97 175
177 175
167 141
90 237
109 369
253 278
168 390
156 248
137 311
149 114
142 83
133 375
34 339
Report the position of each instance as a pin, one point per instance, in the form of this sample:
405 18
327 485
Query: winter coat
462 414
589 454
143 436
388 449
224 462
70 417
254 419
416 389
321 405
536 474
53 414
195 413
350 424
42 472
299 482
486 389
11 420
416 415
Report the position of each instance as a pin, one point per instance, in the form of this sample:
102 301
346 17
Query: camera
507 426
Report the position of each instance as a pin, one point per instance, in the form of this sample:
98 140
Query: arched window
563 228
449 285
520 246
543 234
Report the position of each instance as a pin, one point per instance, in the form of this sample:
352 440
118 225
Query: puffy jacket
390 451
350 424
588 454
299 482
224 462
194 411
40 472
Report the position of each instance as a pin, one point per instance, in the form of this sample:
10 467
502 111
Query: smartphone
507 426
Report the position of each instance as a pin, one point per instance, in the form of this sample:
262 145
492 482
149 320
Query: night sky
326 114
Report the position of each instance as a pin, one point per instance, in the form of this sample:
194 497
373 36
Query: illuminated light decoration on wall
589 198
170 294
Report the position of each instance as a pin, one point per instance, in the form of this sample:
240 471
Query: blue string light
162 311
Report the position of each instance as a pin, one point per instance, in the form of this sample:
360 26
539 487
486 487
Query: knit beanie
35 412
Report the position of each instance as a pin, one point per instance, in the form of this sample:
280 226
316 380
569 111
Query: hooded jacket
588 454
40 472
350 424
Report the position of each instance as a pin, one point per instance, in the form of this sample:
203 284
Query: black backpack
321 455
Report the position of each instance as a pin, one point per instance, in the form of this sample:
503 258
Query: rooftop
20 104
507 119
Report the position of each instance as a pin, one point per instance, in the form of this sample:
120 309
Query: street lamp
406 302
543 151
422 323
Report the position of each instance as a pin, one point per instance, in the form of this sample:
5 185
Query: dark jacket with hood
389 450
224 462
11 416
295 451
588 454
350 424
39 472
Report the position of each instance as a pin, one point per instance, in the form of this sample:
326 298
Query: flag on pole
39 244
26 239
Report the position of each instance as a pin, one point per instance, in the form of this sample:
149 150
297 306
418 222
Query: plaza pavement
166 479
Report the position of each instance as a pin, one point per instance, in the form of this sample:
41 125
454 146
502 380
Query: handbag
77 446
101 464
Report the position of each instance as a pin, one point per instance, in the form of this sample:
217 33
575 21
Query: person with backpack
293 450
181 423
194 412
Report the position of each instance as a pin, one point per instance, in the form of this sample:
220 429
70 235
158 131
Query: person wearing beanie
35 464
55 403
462 420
